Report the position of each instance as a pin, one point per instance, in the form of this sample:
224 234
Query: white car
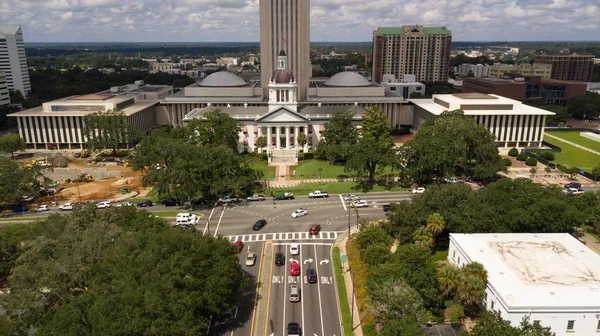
299 213
66 207
124 204
351 198
251 259
186 218
418 190
294 249
360 204
103 205
42 208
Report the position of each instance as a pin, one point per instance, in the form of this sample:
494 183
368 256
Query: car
228 199
575 185
103 205
77 155
42 208
453 180
170 202
28 198
186 218
418 190
311 275
239 245
299 213
294 249
259 224
251 259
124 204
386 207
349 197
293 329
573 191
284 196
257 198
294 293
66 207
294 269
359 204
314 229
186 227
144 204
279 259
318 194
21 208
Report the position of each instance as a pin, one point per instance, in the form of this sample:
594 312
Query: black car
575 185
279 259
293 328
171 202
311 275
259 224
186 227
144 204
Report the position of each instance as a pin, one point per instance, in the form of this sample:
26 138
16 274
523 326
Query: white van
186 218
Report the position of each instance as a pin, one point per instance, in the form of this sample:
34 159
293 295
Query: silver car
294 293
251 259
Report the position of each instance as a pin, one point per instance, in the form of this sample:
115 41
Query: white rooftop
471 104
543 270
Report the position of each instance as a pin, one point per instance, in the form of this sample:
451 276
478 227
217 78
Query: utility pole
349 208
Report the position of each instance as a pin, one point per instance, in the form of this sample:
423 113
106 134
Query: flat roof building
524 69
569 67
550 277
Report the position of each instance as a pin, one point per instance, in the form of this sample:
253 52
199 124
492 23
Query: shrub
507 162
376 254
264 156
513 152
547 155
369 329
300 156
521 157
531 162
309 155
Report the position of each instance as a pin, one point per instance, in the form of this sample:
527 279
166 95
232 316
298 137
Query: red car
314 229
239 245
294 269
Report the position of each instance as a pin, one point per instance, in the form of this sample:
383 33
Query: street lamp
320 170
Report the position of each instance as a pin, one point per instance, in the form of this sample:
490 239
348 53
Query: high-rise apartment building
285 25
570 67
4 97
13 61
413 50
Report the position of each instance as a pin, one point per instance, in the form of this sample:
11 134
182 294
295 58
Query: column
278 134
269 137
296 132
306 133
287 137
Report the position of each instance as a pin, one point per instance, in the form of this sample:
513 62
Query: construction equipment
83 178
41 161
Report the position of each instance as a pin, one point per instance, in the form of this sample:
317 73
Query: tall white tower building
13 61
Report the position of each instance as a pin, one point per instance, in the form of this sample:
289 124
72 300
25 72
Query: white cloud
474 16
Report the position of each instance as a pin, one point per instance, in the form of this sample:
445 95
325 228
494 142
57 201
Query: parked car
575 185
293 329
318 194
42 208
279 259
239 245
311 275
284 196
21 208
294 293
170 202
294 269
353 198
228 199
418 190
103 205
186 218
144 204
66 207
28 198
573 191
256 198
359 204
299 213
294 249
251 259
124 204
453 180
314 229
259 224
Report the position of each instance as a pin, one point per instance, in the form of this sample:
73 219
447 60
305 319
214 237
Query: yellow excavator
83 178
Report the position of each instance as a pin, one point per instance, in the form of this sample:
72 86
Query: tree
435 223
109 272
339 138
533 171
16 181
476 270
423 237
216 128
107 130
302 140
261 142
448 277
450 144
395 299
491 323
470 291
10 143
561 117
372 235
586 106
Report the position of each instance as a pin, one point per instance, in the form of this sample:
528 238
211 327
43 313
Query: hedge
513 152
521 157
531 162
507 162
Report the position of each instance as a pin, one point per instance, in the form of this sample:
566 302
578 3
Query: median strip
343 296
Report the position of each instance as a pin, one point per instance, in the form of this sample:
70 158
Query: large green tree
339 138
17 181
10 143
491 323
448 145
216 128
586 106
119 272
108 130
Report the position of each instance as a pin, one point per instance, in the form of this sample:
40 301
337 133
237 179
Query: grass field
309 169
331 188
268 172
573 156
344 306
574 136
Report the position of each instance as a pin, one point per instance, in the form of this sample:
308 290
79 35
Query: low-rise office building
405 86
523 69
551 278
513 123
477 70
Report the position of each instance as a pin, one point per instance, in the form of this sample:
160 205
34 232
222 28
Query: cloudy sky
331 20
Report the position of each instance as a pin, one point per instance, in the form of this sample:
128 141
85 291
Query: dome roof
347 79
282 76
223 79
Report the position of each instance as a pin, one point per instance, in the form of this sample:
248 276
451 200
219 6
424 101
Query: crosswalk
287 236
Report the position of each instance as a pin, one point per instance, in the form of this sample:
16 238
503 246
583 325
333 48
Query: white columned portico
306 133
269 139
278 134
287 137
296 132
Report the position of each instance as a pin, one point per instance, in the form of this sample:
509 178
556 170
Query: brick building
569 67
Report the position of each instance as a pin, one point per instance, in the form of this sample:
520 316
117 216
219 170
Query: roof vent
139 82
501 272
594 288
552 293
115 89
319 104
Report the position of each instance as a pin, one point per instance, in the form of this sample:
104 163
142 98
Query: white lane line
337 294
285 284
320 304
343 203
302 294
208 221
220 218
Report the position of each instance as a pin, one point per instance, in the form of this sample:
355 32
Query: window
598 326
454 254
492 306
570 325
536 322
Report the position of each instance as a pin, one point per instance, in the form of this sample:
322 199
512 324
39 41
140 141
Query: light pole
78 193
320 170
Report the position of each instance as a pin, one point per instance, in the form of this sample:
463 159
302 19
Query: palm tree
471 290
476 270
302 140
448 277
423 237
435 223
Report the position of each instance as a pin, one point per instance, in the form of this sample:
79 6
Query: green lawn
268 172
331 188
309 169
574 136
339 280
573 156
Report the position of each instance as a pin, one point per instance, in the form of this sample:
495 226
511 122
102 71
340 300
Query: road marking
220 218
309 260
343 203
269 295
208 221
289 277
302 291
262 254
326 261
320 304
323 235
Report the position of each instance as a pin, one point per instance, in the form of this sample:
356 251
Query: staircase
283 156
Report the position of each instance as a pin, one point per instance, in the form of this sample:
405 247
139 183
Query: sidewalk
591 242
356 323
